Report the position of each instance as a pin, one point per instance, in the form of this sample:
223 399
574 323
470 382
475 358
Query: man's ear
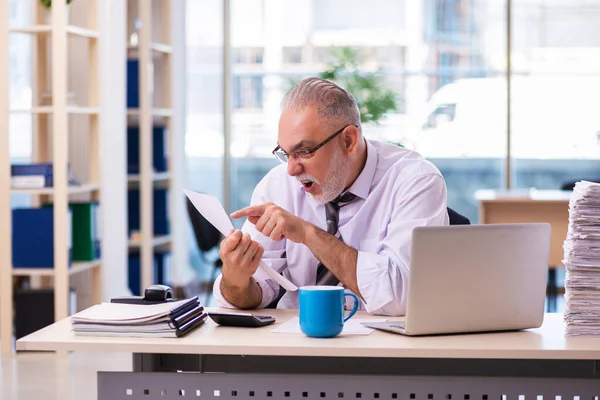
351 138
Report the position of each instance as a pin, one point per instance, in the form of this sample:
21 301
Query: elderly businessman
339 210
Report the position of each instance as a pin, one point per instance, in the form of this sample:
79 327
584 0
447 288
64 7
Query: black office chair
207 237
456 218
571 185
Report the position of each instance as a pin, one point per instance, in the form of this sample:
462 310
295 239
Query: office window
443 114
20 92
292 55
555 125
380 14
247 92
429 53
247 55
204 147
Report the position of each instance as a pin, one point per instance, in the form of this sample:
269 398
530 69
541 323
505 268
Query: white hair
334 105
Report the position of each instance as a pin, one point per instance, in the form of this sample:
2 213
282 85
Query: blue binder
41 169
133 84
134 270
33 238
159 151
160 212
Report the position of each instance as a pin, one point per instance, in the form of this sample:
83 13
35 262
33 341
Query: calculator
246 320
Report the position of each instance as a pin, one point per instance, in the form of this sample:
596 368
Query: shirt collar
362 185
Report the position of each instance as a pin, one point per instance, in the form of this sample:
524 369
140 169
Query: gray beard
335 180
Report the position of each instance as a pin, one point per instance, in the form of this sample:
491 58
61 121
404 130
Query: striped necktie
332 209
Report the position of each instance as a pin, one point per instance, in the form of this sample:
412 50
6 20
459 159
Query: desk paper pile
169 319
582 261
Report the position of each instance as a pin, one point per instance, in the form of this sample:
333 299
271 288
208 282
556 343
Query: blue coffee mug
322 310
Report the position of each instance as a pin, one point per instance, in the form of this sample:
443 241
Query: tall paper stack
582 261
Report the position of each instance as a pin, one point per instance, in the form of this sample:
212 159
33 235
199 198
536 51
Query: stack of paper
169 319
582 261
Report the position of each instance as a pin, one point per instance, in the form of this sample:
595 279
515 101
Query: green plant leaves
48 3
368 88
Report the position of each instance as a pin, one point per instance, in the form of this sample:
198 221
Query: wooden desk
550 206
255 363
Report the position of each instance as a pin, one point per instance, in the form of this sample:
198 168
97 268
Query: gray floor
33 376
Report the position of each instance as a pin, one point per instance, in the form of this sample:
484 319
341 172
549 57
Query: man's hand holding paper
241 256
238 251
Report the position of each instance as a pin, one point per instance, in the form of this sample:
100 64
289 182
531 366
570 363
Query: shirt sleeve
274 254
382 272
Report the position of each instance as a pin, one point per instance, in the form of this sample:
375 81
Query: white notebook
171 333
128 314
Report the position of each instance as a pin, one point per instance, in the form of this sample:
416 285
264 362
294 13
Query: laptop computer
475 278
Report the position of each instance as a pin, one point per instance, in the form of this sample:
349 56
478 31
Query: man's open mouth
307 184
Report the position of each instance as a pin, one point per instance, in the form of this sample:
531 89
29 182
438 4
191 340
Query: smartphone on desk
246 320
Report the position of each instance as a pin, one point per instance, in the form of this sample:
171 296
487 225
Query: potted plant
48 3
373 99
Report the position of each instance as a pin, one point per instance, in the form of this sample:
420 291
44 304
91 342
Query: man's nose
294 167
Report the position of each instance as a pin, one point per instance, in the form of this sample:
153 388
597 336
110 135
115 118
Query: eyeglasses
304 154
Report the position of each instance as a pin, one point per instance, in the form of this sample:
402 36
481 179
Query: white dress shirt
397 191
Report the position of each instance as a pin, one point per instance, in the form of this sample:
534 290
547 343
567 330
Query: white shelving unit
51 144
154 50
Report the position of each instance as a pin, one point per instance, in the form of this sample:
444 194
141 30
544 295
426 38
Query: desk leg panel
201 386
235 364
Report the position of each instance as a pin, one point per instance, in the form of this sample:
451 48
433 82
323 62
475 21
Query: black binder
187 317
191 324
176 322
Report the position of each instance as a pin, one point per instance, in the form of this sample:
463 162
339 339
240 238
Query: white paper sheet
351 327
210 207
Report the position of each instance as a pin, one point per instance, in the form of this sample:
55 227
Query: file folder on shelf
159 149
31 176
86 231
33 237
36 176
133 83
160 211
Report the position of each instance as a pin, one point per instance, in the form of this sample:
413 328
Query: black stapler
152 295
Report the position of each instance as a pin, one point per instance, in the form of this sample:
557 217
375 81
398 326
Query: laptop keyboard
399 325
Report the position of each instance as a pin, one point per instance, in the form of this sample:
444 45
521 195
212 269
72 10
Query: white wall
181 272
113 147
